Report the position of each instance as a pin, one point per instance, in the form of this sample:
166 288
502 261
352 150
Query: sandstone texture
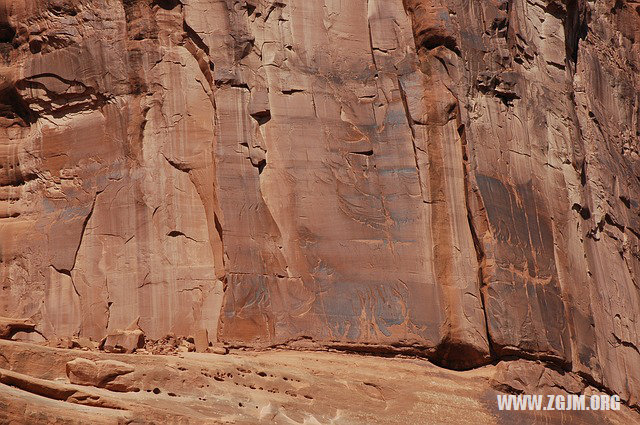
274 387
457 181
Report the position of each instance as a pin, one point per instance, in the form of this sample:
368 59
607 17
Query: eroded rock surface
275 387
101 374
450 179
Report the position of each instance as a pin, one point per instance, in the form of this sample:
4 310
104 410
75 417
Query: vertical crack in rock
477 243
67 273
200 51
82 235
576 29
371 46
84 228
411 125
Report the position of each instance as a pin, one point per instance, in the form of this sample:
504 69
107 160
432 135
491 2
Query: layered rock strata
457 180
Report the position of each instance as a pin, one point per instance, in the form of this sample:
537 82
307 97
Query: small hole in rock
7 33
167 4
35 46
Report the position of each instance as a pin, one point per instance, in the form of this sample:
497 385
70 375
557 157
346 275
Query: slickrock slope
457 180
279 387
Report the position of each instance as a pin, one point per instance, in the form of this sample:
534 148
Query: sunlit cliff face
319 130
62 137
451 178
86 217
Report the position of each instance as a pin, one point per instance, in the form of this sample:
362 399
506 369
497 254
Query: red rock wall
454 179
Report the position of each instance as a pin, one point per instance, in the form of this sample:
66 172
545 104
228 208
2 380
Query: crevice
626 344
218 227
70 83
19 179
109 304
373 56
9 327
431 37
177 165
559 66
195 37
250 9
261 117
7 33
431 40
576 29
11 215
13 107
498 86
509 353
291 91
236 84
477 244
273 6
177 233
62 271
595 232
166 4
584 212
500 24
84 228
410 123
261 163
242 46
610 221
619 5
626 201
63 8
363 153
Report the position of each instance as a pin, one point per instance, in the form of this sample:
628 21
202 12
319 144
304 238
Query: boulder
101 374
127 341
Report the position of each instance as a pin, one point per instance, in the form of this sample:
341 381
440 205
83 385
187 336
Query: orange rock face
452 180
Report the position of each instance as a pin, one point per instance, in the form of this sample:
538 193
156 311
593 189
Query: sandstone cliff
457 180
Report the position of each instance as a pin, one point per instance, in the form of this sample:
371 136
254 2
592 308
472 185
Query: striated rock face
452 179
